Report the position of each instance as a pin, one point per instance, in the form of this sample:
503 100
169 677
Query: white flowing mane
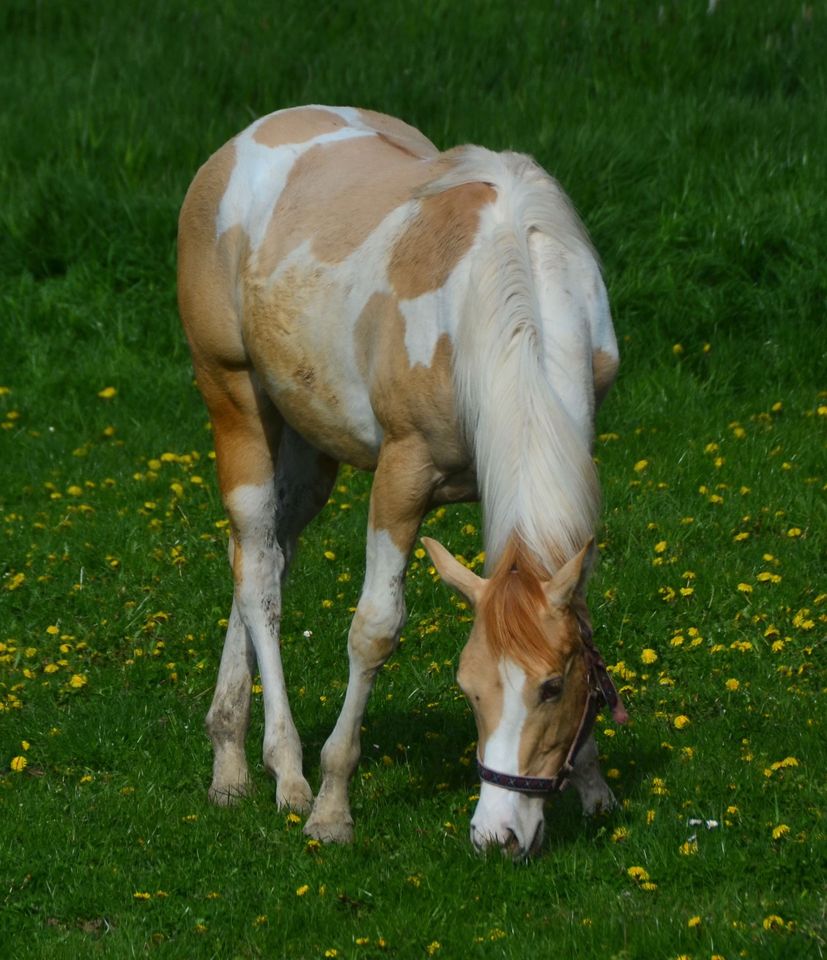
533 455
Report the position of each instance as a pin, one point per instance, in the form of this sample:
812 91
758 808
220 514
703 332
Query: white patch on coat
259 175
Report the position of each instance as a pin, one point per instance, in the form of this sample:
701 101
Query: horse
351 294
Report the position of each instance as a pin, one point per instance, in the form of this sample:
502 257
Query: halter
601 690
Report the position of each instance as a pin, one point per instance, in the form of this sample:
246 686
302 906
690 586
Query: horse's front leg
400 495
595 794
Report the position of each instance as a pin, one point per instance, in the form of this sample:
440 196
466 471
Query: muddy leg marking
229 717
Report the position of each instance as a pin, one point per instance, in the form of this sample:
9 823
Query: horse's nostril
511 845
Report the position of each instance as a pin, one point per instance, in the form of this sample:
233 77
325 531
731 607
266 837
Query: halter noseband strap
601 690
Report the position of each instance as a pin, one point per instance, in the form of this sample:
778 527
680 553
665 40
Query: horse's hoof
225 795
330 831
294 795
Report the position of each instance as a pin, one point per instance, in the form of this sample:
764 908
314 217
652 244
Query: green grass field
693 144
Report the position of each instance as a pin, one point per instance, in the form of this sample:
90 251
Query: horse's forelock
512 611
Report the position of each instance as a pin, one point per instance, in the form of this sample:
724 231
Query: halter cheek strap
601 690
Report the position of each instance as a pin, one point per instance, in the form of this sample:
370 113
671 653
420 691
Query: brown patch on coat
336 195
604 369
399 133
208 268
246 427
439 237
296 126
411 400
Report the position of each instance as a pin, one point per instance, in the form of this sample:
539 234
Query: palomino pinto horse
351 294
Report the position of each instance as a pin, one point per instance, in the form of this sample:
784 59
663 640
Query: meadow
691 137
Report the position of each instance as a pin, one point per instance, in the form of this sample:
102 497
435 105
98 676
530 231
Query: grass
691 143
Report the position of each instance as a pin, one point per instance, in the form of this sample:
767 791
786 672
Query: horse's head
526 671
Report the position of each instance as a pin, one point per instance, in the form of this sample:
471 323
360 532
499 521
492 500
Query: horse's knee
374 635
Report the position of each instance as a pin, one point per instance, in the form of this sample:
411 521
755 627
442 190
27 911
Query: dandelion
78 681
107 393
688 849
19 764
433 947
693 922
660 546
331 952
732 684
772 922
794 532
302 890
780 831
680 722
744 588
141 895
638 874
641 465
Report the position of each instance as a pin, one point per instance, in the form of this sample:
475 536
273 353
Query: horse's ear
571 578
453 572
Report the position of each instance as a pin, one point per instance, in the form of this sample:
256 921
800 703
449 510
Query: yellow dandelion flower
688 849
329 555
772 922
302 890
293 818
693 922
19 764
141 895
794 532
661 546
107 393
733 684
680 722
433 947
331 952
637 874
620 834
648 656
780 831
78 681
744 588
641 465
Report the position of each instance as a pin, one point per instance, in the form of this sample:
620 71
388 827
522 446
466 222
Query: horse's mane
534 466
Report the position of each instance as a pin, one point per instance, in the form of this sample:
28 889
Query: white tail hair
534 466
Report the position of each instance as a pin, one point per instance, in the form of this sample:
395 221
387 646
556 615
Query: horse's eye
551 688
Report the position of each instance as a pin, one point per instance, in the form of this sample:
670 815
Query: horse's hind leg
247 433
229 716
304 480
